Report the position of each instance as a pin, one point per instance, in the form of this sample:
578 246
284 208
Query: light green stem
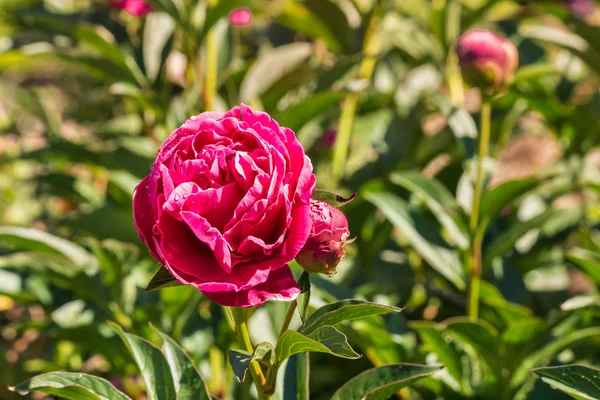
212 65
288 317
344 130
476 232
243 337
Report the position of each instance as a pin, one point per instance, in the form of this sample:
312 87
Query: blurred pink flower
487 60
580 8
137 8
240 16
328 138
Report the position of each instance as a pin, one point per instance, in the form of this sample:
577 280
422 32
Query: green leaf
588 261
73 386
442 259
345 310
42 242
331 198
161 279
502 195
152 364
583 301
439 200
261 75
189 385
544 355
303 298
264 353
446 351
326 339
523 331
239 361
504 242
158 30
479 335
382 382
579 381
297 115
562 38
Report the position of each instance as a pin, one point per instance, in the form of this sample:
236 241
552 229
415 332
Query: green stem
243 337
476 232
212 65
342 141
288 317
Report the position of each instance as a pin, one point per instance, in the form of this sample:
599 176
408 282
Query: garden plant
299 199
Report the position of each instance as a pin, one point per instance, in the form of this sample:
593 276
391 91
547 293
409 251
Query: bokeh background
88 92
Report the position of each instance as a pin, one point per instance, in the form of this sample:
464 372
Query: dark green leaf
304 296
152 364
345 310
502 195
73 386
382 382
544 355
239 361
588 261
331 198
579 381
297 115
445 350
189 385
441 258
439 200
162 279
326 339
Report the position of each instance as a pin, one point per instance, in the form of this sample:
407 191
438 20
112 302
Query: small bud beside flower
326 244
487 60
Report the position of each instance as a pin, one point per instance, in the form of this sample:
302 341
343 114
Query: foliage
89 93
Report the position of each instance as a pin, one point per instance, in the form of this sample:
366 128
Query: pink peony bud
325 246
487 60
137 8
240 16
580 8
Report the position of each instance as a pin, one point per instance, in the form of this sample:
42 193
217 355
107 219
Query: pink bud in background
137 8
327 241
240 16
328 138
580 8
487 60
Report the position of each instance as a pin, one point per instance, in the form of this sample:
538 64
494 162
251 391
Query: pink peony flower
240 16
137 8
327 241
487 60
227 206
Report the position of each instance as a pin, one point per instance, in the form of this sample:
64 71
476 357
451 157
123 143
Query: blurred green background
89 92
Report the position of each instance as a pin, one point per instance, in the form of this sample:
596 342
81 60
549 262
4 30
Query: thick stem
288 317
243 337
476 232
344 130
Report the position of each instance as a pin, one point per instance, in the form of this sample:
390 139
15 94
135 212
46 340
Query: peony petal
280 286
184 252
144 212
215 205
211 237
